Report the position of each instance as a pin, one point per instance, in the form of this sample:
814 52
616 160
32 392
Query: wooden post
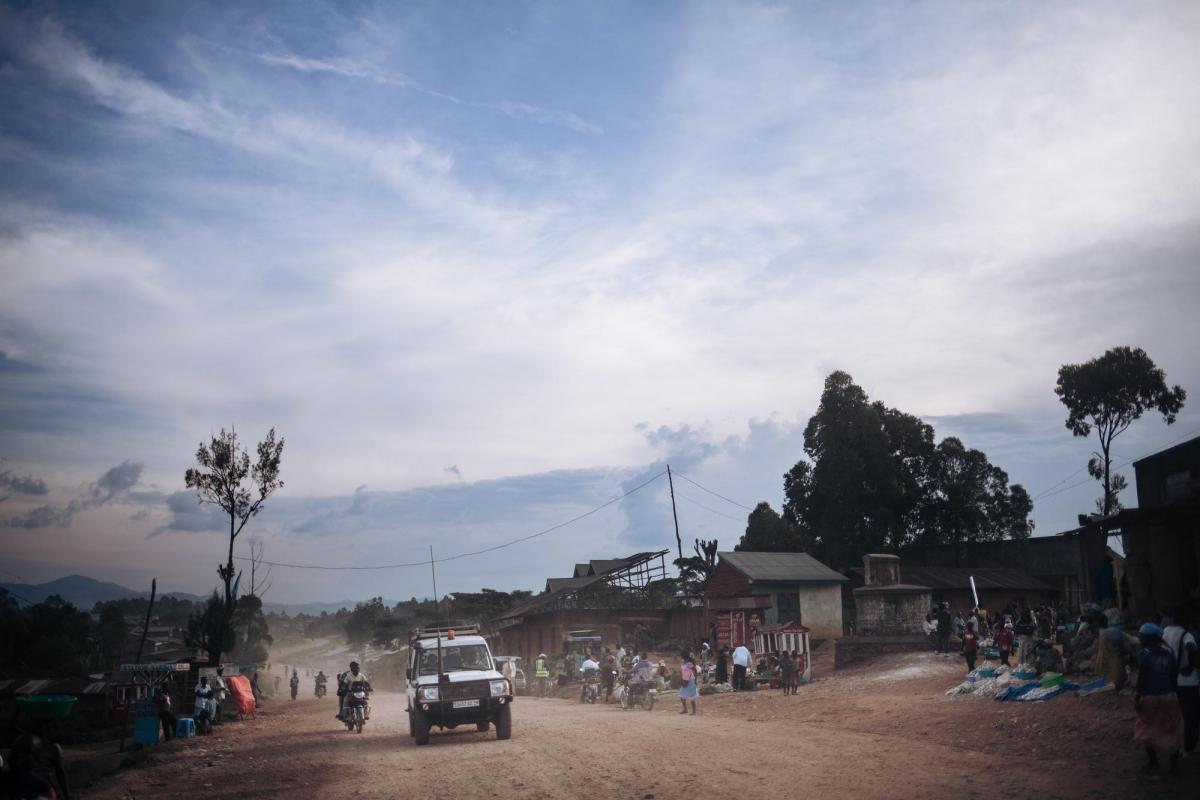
146 626
674 514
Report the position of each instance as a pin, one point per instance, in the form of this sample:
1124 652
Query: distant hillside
80 590
85 592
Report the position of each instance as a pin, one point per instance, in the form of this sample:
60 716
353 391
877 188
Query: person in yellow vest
541 671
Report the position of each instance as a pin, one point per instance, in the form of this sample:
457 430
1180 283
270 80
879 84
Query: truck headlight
499 688
430 693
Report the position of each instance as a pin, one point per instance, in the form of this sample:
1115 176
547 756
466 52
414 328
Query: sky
488 266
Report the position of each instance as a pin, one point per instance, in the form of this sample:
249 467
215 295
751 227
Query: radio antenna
437 613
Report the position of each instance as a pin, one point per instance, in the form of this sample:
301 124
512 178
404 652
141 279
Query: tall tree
767 531
1109 394
875 481
970 500
226 477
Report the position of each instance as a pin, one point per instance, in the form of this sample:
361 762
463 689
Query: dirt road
878 733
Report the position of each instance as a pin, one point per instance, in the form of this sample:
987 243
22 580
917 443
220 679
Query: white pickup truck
452 681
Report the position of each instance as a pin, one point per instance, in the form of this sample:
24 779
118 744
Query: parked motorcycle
356 710
635 693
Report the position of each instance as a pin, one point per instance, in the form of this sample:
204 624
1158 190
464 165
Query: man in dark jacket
943 628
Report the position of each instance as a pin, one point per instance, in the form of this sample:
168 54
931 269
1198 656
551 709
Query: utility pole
671 483
146 625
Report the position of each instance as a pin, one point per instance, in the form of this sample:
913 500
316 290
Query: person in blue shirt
1159 724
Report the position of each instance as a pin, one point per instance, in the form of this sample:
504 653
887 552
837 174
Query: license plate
466 704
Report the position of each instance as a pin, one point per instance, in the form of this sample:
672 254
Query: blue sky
554 246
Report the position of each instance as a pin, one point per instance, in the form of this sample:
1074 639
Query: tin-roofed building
750 590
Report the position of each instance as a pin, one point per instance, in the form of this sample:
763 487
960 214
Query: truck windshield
456 658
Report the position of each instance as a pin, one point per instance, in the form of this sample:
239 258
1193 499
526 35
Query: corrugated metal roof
554 584
952 578
782 567
985 578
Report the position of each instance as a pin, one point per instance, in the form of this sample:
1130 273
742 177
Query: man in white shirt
741 662
589 667
1183 645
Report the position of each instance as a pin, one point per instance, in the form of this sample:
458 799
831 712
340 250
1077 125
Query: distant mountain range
85 592
80 590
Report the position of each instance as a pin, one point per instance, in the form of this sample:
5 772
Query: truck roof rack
443 629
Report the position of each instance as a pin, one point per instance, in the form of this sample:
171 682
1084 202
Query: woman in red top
1004 643
970 646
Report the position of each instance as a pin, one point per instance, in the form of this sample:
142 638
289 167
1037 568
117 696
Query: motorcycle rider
589 668
642 675
354 681
541 670
319 683
341 693
608 677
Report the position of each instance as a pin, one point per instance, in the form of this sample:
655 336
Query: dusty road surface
886 731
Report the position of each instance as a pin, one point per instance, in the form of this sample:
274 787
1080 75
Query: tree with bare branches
226 477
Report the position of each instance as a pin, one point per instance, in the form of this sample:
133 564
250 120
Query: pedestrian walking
943 629
741 663
1182 643
722 666
970 647
1159 724
688 690
787 670
1004 642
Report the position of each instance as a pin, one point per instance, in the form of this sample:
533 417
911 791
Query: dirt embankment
883 731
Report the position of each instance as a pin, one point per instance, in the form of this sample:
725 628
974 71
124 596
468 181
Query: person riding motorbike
608 677
541 670
641 676
341 693
319 683
589 668
355 681
294 683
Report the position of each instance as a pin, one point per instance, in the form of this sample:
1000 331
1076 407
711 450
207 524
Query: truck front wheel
481 726
419 725
504 722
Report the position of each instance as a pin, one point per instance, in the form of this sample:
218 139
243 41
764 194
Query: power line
714 494
1050 490
491 549
709 510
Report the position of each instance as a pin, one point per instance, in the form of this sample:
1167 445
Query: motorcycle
591 688
637 693
356 710
320 690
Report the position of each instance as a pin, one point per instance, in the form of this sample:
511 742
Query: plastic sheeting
243 696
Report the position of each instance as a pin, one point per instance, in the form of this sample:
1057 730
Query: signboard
731 628
156 667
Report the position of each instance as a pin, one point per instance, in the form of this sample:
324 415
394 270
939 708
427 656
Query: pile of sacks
1021 684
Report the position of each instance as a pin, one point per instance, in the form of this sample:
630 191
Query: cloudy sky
488 266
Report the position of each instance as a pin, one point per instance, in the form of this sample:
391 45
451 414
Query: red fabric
1159 723
1004 640
243 695
970 642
